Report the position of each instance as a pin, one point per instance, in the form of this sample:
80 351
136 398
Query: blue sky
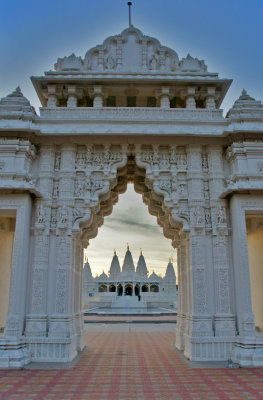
228 35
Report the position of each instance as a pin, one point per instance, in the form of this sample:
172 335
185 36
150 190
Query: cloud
130 222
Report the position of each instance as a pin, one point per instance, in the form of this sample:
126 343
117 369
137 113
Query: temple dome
115 268
87 274
245 105
154 277
141 266
170 273
102 277
16 106
128 265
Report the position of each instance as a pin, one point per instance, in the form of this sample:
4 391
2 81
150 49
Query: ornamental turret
128 265
141 266
16 106
115 268
170 273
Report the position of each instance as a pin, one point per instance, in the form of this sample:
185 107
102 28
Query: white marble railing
129 113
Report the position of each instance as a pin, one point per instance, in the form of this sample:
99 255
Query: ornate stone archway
61 173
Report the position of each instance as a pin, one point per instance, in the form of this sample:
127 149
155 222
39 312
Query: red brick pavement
131 365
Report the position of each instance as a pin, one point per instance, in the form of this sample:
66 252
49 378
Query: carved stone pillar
98 94
165 97
182 297
36 320
210 99
224 318
190 97
199 316
72 96
61 322
52 96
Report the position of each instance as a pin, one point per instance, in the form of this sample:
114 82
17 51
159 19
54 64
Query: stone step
128 302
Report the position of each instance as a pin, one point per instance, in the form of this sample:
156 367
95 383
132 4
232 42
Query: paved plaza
131 361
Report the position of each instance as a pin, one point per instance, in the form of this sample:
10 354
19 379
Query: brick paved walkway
130 363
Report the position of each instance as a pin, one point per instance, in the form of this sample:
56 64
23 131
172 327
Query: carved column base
36 326
180 331
208 348
225 325
199 325
13 354
248 352
61 326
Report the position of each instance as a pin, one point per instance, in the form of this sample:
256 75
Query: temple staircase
128 302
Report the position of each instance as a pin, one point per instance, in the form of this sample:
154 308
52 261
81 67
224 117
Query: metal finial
141 251
115 252
128 248
129 5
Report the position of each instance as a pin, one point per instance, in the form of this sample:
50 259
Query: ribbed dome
170 273
87 271
128 265
17 106
154 277
102 277
245 104
141 266
115 268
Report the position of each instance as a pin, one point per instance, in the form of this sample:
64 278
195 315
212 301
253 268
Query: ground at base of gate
132 361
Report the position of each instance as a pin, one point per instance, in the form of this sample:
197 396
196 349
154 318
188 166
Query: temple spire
129 6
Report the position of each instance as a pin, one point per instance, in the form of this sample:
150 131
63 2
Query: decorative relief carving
53 218
198 215
77 213
79 187
98 160
208 221
220 215
37 290
60 290
80 160
41 215
94 184
183 212
55 193
206 190
223 286
57 161
63 217
204 162
181 161
109 62
153 63
200 285
182 192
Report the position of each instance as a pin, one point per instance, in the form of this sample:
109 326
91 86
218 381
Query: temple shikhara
146 291
131 111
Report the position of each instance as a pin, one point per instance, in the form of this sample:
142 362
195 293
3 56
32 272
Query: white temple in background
148 291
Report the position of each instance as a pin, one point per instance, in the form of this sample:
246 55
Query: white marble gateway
131 111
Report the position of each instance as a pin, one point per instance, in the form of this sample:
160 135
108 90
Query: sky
227 34
130 222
